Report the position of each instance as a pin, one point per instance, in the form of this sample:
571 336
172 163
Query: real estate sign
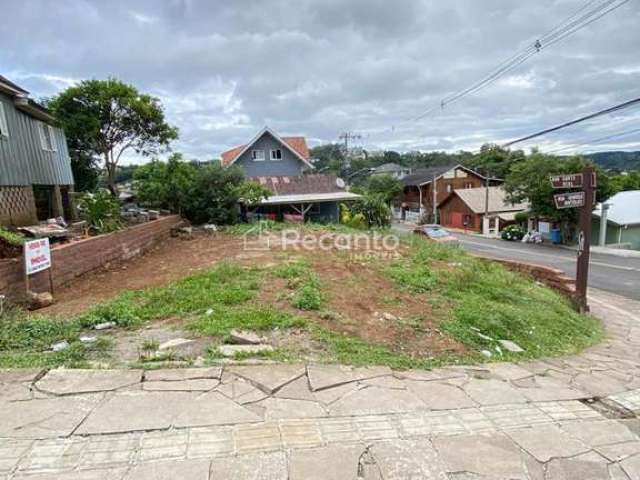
37 256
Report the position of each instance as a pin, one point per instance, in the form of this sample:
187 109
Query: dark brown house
419 186
465 209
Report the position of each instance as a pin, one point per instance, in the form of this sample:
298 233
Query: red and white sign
37 256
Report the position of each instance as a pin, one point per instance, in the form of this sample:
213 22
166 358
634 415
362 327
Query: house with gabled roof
427 186
284 166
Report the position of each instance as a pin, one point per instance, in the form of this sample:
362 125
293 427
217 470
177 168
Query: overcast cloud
317 67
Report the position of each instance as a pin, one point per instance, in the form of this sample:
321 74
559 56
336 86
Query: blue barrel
556 236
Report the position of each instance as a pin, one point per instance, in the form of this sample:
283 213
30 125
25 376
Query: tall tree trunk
110 168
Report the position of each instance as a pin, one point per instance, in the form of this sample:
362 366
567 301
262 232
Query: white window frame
47 140
4 127
257 155
275 159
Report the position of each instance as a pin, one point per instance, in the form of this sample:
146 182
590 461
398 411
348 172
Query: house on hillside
283 165
465 209
418 193
392 169
35 169
623 221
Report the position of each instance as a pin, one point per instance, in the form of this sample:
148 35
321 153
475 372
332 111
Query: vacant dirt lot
174 259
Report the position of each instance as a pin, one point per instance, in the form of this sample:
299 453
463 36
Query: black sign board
569 200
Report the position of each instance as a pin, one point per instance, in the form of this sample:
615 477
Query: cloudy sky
223 70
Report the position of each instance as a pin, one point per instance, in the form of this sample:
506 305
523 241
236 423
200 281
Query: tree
494 161
86 172
214 194
106 118
385 186
328 158
625 182
164 184
529 180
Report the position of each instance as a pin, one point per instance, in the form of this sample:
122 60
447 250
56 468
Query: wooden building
465 209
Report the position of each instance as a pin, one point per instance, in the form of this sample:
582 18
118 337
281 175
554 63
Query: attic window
47 141
257 155
276 154
4 130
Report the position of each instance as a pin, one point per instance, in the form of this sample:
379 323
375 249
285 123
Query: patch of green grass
506 306
12 238
150 345
226 284
308 293
415 278
247 317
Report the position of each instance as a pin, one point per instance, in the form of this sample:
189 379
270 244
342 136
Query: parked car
437 234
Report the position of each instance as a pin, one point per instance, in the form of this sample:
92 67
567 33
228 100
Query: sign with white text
569 200
37 256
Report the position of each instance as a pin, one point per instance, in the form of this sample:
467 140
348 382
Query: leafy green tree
528 180
629 181
374 209
214 194
494 161
386 186
106 118
329 158
86 172
164 184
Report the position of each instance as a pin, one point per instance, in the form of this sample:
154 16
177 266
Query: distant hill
616 160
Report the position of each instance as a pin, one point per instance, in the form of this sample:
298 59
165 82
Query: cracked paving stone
283 408
545 442
440 396
493 455
590 466
326 376
184 469
296 390
330 395
70 382
493 392
620 451
547 389
269 378
430 375
508 371
408 459
179 374
46 418
375 400
258 466
240 390
191 385
15 391
599 384
599 432
97 474
213 408
326 463
133 411
19 375
631 467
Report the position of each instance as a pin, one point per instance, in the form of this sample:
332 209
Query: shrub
101 210
164 185
513 232
374 209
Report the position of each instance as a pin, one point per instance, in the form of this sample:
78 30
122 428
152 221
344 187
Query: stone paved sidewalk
563 418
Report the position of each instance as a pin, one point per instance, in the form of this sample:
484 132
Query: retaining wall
73 259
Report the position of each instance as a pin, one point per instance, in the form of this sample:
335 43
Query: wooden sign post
584 240
584 200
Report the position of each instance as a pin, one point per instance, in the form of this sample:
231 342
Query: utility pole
347 137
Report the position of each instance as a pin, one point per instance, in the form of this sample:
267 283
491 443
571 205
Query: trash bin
556 237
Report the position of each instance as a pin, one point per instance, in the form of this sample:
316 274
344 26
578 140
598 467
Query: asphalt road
606 272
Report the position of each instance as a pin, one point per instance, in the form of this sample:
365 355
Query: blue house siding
289 165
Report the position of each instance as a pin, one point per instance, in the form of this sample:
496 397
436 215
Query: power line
606 111
597 140
581 18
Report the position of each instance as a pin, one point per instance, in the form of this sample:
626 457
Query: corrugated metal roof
624 208
310 198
